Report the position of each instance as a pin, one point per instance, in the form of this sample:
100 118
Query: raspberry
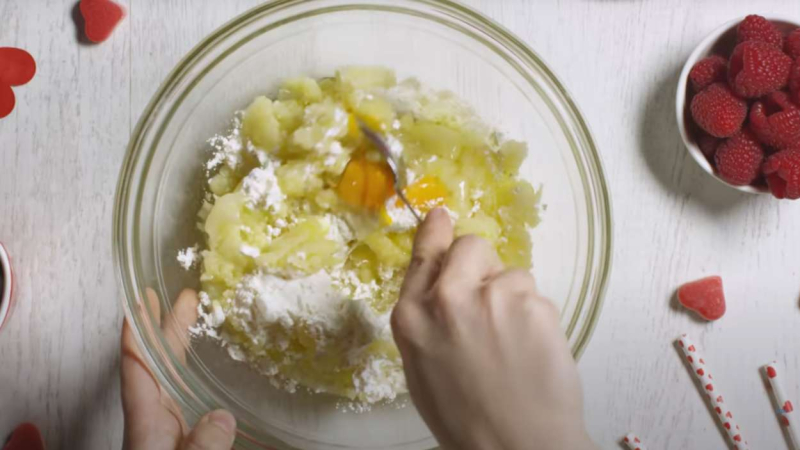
794 82
717 111
792 45
707 71
739 159
783 173
757 68
757 28
775 120
708 145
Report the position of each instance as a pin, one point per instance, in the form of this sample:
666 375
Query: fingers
153 305
176 326
148 425
470 262
134 372
433 238
215 431
514 282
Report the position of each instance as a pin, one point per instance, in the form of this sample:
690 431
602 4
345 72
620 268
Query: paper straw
708 386
633 442
785 409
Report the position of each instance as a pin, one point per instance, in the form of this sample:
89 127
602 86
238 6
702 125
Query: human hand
152 420
486 361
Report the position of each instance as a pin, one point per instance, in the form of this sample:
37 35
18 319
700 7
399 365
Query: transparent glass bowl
443 44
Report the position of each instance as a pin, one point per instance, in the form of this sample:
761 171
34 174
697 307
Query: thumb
215 431
433 238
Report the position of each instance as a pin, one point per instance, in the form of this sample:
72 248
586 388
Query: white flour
261 188
188 257
227 149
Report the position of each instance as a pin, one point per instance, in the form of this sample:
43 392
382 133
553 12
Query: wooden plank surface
61 149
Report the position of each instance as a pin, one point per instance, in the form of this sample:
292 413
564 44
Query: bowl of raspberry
738 105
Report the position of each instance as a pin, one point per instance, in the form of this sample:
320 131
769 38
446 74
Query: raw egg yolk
425 194
366 184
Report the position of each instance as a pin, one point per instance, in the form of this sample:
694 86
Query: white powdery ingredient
402 217
204 326
339 231
262 189
249 250
335 150
406 97
188 257
319 116
217 316
395 146
380 380
227 149
278 301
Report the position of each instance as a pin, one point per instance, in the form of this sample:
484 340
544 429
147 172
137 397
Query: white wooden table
61 149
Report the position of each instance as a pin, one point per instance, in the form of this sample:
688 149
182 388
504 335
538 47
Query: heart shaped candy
17 67
100 17
25 437
705 297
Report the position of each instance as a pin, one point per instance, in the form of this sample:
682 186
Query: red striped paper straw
785 408
702 373
633 442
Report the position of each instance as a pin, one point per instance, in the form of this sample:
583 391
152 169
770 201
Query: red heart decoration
690 358
705 297
771 372
7 100
729 415
737 438
709 387
787 407
718 410
728 425
691 348
101 17
785 421
700 372
25 437
17 67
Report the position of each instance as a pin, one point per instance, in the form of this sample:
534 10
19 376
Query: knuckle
544 309
401 321
470 242
417 261
494 292
445 293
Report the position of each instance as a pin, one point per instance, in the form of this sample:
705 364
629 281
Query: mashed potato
306 240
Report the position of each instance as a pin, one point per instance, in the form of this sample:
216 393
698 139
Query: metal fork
395 164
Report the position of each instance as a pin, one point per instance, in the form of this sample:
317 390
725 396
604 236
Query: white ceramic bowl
721 42
6 286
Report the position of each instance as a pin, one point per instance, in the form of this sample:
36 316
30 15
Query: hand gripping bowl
443 44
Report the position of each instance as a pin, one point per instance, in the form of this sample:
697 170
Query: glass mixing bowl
446 46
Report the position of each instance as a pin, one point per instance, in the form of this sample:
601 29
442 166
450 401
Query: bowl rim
6 285
702 50
583 146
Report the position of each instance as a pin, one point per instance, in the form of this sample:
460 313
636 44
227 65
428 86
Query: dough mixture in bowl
306 240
